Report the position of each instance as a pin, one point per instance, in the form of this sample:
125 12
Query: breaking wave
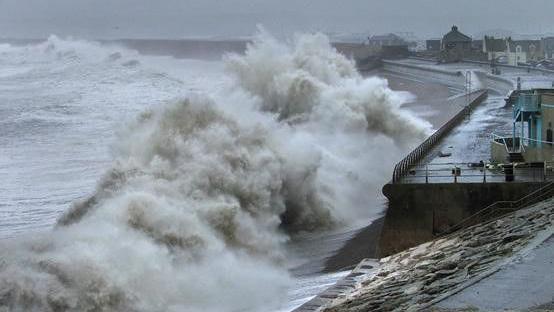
205 191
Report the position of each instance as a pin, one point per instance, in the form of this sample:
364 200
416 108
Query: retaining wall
417 213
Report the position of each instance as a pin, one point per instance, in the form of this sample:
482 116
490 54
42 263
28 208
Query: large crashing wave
205 191
311 81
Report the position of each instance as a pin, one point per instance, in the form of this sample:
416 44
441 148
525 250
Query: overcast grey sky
226 18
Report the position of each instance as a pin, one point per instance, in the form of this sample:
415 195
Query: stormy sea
137 181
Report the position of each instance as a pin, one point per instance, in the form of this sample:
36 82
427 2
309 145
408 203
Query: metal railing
403 167
520 142
528 68
479 172
500 208
511 144
526 103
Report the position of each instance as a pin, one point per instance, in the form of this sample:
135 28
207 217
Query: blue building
532 132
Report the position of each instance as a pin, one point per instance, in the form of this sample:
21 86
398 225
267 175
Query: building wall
515 57
547 115
545 153
433 45
495 55
356 51
547 46
498 152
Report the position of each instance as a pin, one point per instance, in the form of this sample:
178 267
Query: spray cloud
204 191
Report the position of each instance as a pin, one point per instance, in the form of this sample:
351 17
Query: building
513 52
523 51
532 137
386 40
433 45
455 46
547 45
395 51
495 49
477 45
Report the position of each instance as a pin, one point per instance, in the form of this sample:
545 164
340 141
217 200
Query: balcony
526 104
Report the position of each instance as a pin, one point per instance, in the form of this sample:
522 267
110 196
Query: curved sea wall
500 84
454 78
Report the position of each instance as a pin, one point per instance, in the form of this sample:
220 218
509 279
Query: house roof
455 36
495 45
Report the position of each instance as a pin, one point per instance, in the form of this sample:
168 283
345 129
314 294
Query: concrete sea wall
455 78
417 213
423 72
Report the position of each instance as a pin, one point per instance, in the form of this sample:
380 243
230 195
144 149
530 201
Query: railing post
544 171
484 172
426 173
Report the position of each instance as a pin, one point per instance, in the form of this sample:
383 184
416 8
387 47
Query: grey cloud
225 18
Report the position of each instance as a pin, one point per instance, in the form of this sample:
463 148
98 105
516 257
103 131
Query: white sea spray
204 191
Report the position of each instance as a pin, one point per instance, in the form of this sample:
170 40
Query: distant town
499 47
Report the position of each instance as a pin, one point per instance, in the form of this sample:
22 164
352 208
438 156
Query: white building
512 52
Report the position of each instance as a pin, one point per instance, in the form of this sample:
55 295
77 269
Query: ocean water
61 104
151 183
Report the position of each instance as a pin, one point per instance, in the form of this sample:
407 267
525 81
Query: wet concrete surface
524 284
427 275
